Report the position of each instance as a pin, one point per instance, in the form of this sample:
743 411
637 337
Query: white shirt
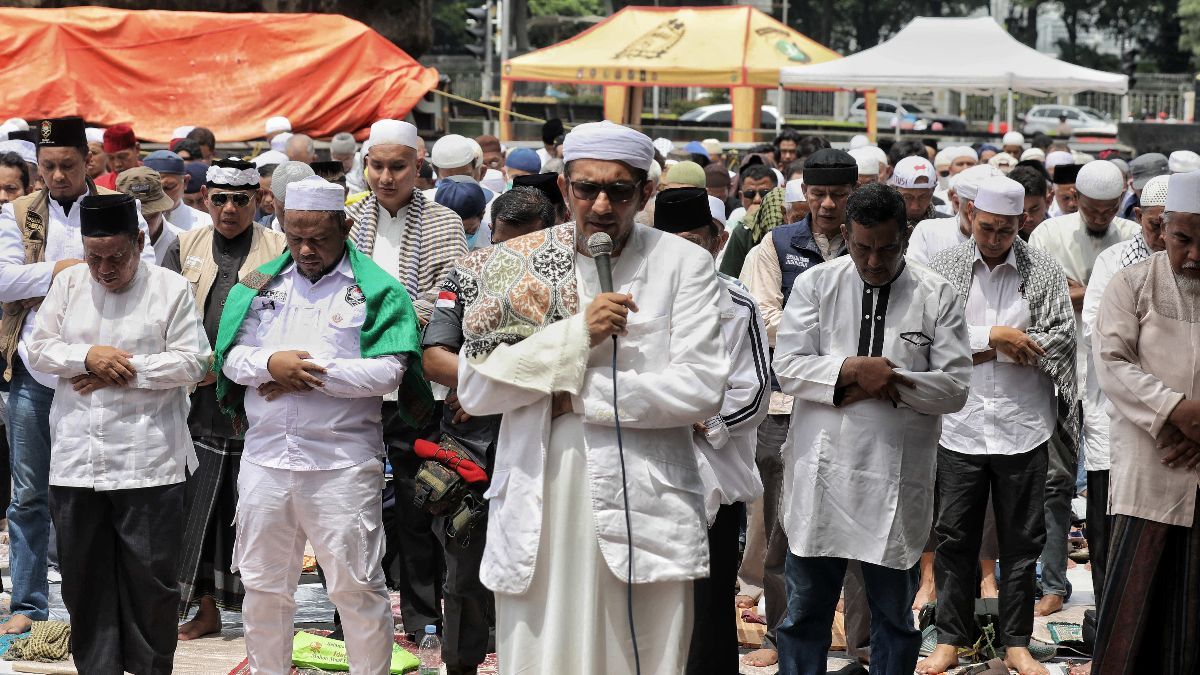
136 436
389 231
186 218
946 206
333 427
1011 408
932 236
169 234
858 479
19 281
727 450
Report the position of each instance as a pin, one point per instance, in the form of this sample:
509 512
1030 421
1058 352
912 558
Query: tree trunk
1071 18
518 14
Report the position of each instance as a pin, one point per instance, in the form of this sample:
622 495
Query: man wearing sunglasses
213 259
538 349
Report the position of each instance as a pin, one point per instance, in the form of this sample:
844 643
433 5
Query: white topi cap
1183 161
278 124
1100 180
315 194
1154 193
452 151
794 191
391 132
1002 196
1183 193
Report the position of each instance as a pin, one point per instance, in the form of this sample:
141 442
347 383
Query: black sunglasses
618 193
750 194
219 199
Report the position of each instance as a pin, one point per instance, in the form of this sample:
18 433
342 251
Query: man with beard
1074 240
1146 362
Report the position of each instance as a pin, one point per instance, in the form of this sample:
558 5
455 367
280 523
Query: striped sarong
1150 606
207 554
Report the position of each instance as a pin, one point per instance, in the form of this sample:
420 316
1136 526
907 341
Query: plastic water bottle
430 652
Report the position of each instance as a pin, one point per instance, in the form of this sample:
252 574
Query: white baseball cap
910 170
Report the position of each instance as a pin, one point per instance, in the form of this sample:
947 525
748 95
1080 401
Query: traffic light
479 25
1129 63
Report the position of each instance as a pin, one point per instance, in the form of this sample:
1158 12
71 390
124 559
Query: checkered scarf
1051 317
433 240
1135 251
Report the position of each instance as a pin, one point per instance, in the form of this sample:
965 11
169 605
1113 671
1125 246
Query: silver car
1045 118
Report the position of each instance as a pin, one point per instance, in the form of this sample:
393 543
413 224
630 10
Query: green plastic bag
321 653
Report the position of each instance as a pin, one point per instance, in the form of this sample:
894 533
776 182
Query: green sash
390 329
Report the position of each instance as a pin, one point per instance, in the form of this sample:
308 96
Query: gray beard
1188 285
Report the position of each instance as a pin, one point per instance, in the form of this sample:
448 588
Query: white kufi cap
270 157
25 149
664 146
494 181
1183 193
794 191
859 141
94 134
452 151
1183 161
1002 196
717 208
1100 180
1057 158
611 142
391 132
1154 193
1013 138
279 143
867 160
277 124
966 183
315 194
1034 153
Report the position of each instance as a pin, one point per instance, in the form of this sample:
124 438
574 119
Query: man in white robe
861 449
126 343
558 550
1074 240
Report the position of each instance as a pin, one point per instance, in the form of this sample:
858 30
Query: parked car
1044 118
721 114
909 116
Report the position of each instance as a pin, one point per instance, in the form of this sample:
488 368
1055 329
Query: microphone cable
637 659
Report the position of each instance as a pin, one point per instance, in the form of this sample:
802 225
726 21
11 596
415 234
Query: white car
890 112
722 114
1044 118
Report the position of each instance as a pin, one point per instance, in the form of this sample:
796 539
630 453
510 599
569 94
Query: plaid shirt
432 242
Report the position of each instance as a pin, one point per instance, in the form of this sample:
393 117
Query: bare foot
1020 660
943 658
744 602
206 622
761 658
926 594
1049 604
19 623
1081 669
988 589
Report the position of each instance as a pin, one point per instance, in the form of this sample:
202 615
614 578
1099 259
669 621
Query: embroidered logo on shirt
446 299
354 296
193 261
798 260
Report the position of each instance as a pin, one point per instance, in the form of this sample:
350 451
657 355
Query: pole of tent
779 109
1010 111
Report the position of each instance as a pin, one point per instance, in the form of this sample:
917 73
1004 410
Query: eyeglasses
618 193
219 199
751 194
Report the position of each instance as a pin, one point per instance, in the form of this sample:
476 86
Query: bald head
300 148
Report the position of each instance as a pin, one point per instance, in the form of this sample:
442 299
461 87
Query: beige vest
198 266
33 216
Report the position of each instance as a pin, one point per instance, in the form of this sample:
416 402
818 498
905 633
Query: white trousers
341 512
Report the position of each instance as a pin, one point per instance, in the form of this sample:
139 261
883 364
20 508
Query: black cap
546 182
552 129
107 215
681 209
326 169
828 166
61 132
1065 174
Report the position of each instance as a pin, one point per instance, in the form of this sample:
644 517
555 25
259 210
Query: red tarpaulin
158 70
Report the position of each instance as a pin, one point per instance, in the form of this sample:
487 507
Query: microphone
600 245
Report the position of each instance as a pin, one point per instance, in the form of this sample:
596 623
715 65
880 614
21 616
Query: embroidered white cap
910 171
315 194
277 124
1154 193
1183 193
391 132
452 151
1183 161
1100 180
1002 196
966 183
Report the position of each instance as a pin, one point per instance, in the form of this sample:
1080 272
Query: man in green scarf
309 345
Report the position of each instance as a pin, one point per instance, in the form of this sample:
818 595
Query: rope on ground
48 641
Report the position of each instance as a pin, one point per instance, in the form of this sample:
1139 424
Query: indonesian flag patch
446 299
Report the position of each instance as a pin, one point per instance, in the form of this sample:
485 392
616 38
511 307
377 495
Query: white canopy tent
971 55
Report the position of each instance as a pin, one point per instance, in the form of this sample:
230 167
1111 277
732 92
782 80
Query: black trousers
469 612
1017 485
714 648
419 569
1099 524
119 558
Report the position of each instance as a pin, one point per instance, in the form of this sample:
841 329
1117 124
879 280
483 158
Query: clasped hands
1180 437
293 372
106 367
1013 343
870 377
